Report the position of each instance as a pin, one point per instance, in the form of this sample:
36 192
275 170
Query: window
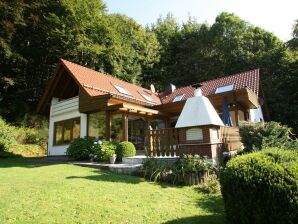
223 89
97 125
117 129
194 134
148 98
178 98
66 131
122 90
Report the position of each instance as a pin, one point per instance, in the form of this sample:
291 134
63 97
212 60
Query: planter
195 178
113 159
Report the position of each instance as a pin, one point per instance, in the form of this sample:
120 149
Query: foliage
160 170
210 185
125 149
262 187
105 150
80 148
195 163
25 182
271 134
7 137
27 150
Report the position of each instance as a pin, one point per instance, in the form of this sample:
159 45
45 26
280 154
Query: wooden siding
65 106
89 104
231 138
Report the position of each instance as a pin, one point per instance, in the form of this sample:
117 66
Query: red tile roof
96 83
249 79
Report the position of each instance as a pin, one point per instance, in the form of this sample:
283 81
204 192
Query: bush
125 149
271 134
105 150
195 163
210 186
7 137
175 172
262 187
81 148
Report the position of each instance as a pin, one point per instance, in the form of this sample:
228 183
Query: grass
64 193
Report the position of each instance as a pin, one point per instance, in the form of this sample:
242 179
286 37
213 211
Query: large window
97 125
66 131
117 129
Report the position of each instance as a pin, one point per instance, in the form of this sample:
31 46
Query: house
81 102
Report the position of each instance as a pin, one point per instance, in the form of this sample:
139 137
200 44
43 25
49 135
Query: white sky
273 15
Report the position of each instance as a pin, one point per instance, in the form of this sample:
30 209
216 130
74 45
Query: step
138 159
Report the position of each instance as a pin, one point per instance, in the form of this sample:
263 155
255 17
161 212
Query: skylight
223 89
148 98
122 89
178 98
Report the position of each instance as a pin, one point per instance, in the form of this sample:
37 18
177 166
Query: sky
273 15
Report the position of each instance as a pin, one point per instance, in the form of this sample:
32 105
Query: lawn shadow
25 162
211 203
108 176
204 219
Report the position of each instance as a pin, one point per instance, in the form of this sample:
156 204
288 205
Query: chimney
170 88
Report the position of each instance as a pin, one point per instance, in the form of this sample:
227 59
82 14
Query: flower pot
113 159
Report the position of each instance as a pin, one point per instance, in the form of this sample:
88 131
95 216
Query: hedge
262 187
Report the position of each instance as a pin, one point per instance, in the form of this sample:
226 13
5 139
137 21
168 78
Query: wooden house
83 102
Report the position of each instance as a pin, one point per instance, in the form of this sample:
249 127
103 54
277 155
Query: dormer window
225 88
122 89
178 98
148 98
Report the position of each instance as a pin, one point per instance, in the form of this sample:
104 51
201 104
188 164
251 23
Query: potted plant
113 158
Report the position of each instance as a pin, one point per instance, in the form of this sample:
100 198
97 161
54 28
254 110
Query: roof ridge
107 75
225 76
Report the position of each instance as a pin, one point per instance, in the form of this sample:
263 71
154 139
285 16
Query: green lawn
63 193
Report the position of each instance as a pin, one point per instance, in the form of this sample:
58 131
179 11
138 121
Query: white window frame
121 89
146 97
176 99
225 88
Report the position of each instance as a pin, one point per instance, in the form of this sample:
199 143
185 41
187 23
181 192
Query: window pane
58 133
67 131
76 129
116 132
97 125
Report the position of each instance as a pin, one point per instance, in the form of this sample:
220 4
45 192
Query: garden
259 185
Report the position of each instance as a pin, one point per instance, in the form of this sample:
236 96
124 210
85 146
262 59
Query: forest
34 34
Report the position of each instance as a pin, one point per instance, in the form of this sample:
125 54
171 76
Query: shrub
7 137
271 134
125 149
104 151
210 186
175 172
158 170
262 187
195 163
81 148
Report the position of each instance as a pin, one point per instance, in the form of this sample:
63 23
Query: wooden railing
163 142
231 138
